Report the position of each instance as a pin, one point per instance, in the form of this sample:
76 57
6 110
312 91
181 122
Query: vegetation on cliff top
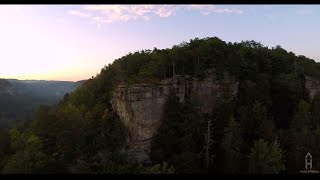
272 116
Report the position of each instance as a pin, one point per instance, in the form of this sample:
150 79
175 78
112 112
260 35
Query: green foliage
44 126
104 133
29 160
16 139
302 118
69 138
266 158
83 134
255 121
315 110
304 137
266 130
163 146
21 98
180 137
4 146
163 168
232 145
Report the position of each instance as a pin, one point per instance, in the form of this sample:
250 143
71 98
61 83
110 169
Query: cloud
80 14
118 13
208 9
101 14
304 11
164 11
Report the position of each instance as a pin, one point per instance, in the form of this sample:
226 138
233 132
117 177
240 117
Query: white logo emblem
308 164
308 161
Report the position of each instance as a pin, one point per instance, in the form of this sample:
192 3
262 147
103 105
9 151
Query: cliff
140 106
313 86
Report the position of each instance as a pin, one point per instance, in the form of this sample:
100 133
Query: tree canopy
267 128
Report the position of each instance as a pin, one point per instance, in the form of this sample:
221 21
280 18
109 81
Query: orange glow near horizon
73 42
36 48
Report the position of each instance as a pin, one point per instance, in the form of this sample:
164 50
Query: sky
73 42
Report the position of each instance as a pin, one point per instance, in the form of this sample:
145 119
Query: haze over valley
20 98
159 89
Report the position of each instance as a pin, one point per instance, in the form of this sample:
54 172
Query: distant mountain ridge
19 98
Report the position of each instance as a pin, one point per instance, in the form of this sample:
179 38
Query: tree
208 144
231 145
45 127
166 142
29 160
193 126
69 138
163 168
252 117
4 146
266 130
83 125
180 137
16 141
298 145
302 136
315 148
263 123
265 158
301 119
315 110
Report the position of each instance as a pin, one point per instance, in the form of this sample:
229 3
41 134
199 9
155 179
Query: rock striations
313 86
140 107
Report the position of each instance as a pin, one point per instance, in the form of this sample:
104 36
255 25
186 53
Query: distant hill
19 98
203 106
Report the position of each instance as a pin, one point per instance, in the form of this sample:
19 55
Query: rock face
140 107
313 85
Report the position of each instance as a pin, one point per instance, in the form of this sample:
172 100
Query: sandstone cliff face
313 86
140 107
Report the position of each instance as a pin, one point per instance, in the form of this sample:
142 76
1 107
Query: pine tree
163 168
208 146
266 158
315 110
231 146
301 119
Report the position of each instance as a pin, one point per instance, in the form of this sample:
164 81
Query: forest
19 99
267 129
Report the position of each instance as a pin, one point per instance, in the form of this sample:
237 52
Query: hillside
203 106
20 98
